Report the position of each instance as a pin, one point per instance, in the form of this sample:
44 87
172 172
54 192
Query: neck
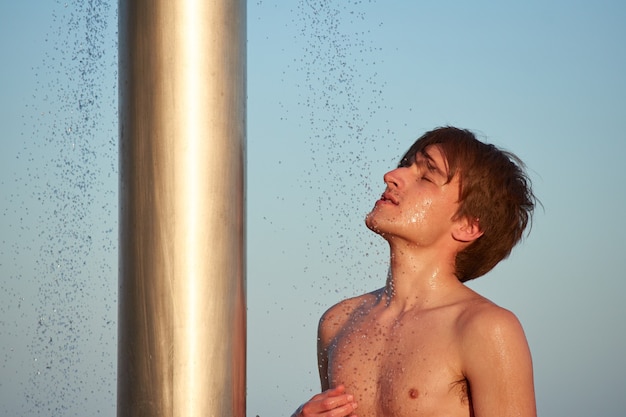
419 278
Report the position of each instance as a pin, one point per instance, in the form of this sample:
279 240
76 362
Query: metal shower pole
182 72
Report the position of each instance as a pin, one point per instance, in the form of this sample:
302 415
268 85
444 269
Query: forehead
435 158
460 150
433 153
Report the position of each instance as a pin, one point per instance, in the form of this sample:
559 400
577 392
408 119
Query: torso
399 365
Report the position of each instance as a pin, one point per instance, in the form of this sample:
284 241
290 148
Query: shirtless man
426 344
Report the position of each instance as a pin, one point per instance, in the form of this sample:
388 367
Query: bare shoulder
489 334
484 319
496 361
336 317
331 324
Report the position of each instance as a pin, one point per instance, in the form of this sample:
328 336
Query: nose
392 178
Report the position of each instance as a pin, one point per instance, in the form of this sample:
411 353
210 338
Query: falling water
342 98
64 206
324 78
65 201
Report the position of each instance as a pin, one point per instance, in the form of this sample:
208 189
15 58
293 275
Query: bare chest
409 367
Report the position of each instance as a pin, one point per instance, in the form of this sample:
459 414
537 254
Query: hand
330 403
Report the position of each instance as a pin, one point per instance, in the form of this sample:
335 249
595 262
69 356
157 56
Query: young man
425 344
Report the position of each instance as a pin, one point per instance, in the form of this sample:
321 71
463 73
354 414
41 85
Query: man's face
419 203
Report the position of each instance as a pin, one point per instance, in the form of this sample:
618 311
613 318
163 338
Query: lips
388 197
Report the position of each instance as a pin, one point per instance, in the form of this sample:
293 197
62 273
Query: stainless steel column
182 218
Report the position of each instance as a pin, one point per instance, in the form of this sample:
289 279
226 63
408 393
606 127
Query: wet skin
413 363
425 344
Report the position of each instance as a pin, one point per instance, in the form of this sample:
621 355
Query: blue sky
337 91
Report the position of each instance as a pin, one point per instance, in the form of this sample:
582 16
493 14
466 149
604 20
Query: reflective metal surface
182 231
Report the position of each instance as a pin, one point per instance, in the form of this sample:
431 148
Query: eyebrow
433 164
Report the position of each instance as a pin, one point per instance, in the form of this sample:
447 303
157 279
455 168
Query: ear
467 229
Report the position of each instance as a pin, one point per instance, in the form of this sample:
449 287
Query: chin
372 224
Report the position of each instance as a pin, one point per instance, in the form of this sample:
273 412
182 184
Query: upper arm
323 341
331 323
498 365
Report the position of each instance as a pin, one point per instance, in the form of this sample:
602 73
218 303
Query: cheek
419 213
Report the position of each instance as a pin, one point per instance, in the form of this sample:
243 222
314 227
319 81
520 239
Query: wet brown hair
493 189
